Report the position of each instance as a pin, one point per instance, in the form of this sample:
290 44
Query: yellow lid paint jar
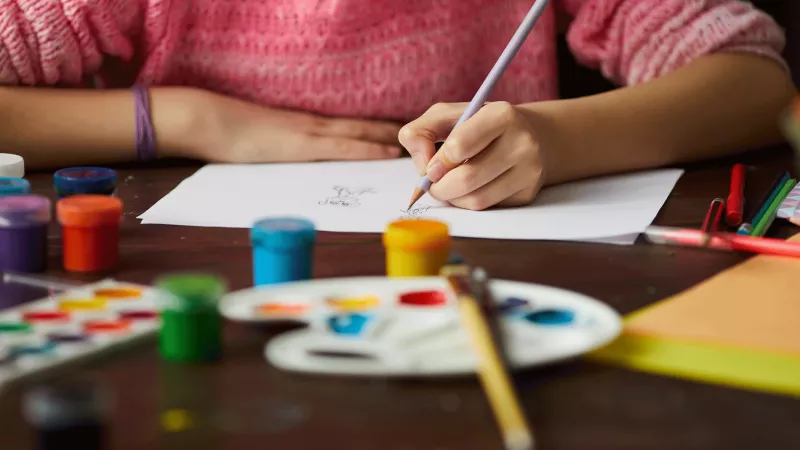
416 247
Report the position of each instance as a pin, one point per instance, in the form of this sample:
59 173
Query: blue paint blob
551 317
22 350
511 304
348 324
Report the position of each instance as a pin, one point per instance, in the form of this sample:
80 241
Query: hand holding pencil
495 158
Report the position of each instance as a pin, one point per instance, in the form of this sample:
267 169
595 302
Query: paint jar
85 180
11 165
69 416
14 186
23 233
191 326
283 250
416 247
90 232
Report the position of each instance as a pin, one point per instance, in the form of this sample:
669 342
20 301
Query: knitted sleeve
633 41
49 42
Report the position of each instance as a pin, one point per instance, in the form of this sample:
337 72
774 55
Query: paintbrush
492 361
486 88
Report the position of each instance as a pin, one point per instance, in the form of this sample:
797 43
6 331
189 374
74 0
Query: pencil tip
418 193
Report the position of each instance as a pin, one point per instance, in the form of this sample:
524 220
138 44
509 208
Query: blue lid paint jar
85 180
282 250
23 233
14 186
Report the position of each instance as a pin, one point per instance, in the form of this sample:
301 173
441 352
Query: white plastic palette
73 324
378 326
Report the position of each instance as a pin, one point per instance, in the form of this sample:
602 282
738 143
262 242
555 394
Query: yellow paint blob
354 304
176 420
82 304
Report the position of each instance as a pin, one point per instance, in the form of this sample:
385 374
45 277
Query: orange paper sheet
740 327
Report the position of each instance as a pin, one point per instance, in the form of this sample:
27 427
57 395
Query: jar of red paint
90 232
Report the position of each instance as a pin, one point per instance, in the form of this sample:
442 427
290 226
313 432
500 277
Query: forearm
57 127
718 105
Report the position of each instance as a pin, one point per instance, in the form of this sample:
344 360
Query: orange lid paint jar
90 232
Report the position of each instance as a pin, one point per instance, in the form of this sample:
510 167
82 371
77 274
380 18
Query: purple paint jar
23 233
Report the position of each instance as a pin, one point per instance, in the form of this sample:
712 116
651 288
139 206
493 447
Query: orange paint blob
118 293
282 309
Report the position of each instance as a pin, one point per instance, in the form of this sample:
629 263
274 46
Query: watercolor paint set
45 327
410 327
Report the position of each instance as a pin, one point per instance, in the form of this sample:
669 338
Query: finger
420 136
362 130
478 171
472 137
509 185
335 148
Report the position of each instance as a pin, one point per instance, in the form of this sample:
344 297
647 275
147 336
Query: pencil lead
418 193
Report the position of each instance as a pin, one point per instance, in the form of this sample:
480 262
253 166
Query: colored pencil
763 205
491 80
711 221
492 362
735 202
722 241
760 229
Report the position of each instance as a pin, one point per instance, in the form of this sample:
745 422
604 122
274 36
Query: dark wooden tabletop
243 403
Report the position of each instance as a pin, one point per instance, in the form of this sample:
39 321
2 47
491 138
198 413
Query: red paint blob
45 316
102 326
423 298
138 315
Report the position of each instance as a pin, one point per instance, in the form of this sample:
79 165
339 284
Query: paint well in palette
423 298
512 304
282 309
67 338
551 317
34 349
15 327
138 315
121 293
354 304
93 304
106 326
348 324
46 316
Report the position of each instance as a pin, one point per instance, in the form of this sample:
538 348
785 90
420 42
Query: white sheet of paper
366 196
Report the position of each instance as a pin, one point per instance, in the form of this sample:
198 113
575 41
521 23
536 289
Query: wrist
177 121
555 133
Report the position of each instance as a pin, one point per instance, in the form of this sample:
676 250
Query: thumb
420 136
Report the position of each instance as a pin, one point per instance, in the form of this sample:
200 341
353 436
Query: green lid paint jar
191 326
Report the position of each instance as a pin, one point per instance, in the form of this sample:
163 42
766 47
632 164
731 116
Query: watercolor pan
410 327
72 325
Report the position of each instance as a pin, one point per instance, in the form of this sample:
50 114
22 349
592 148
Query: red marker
735 203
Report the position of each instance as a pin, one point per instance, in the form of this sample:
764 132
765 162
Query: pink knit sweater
373 58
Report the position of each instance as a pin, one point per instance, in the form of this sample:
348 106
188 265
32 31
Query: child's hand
504 164
234 131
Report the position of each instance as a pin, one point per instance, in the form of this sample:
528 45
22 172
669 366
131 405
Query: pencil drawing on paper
346 196
415 212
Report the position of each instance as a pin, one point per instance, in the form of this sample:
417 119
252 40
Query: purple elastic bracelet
145 136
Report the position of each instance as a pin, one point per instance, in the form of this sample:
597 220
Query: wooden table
243 403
